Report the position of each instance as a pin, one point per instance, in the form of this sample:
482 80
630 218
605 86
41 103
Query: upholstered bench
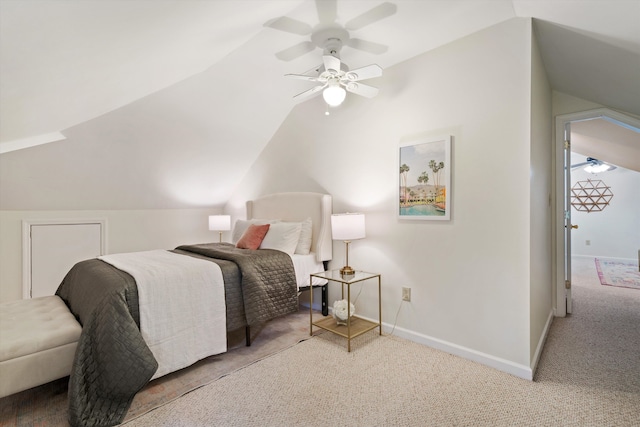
38 339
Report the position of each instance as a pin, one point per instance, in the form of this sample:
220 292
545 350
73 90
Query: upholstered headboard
298 207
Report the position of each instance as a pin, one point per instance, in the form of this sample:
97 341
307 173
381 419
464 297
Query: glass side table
355 325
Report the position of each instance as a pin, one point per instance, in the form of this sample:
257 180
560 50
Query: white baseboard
541 341
503 365
604 257
518 370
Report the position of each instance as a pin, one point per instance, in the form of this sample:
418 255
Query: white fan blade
368 72
289 25
307 93
327 11
295 51
362 89
331 63
377 13
366 46
302 77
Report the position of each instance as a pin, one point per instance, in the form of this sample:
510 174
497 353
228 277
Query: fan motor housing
330 38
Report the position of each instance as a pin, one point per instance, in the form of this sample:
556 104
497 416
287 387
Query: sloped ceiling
608 142
166 104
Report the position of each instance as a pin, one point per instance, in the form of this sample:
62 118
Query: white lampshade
347 226
220 222
334 95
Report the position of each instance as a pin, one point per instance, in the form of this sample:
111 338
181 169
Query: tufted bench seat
38 339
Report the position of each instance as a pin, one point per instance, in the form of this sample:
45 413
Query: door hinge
567 144
567 284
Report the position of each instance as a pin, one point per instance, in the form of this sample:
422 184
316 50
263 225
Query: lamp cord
395 321
357 296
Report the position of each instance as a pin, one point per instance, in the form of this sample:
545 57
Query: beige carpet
387 381
589 375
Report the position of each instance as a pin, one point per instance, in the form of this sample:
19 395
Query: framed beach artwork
425 179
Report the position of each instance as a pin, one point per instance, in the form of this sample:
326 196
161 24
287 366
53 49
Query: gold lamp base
347 272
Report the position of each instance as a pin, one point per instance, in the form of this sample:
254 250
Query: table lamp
220 223
347 227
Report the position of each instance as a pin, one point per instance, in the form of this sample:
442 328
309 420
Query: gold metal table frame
356 325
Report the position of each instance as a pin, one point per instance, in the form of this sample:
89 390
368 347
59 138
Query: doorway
562 218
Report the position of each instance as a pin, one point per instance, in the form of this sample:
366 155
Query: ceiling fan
333 76
594 166
334 80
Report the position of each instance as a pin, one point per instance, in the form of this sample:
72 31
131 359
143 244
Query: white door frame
559 217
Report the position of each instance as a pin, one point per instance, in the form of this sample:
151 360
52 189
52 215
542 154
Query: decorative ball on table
340 311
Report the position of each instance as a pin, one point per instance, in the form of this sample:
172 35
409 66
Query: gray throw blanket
269 287
112 361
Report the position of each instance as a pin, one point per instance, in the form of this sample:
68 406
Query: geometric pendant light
590 196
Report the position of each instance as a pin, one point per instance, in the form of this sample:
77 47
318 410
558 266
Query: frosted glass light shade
334 95
220 222
602 167
348 226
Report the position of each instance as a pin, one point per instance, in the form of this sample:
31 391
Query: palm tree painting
425 179
404 169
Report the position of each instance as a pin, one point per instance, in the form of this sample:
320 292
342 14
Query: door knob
574 226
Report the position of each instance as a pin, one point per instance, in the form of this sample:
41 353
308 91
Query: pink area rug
620 273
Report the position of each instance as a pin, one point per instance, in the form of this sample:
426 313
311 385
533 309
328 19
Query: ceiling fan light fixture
597 168
334 94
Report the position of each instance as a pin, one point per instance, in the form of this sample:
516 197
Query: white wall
470 277
127 231
613 232
540 217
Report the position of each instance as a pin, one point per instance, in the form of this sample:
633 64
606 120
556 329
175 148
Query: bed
115 359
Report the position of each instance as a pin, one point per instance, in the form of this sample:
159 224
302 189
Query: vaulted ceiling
608 142
196 81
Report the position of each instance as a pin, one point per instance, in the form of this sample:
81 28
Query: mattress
304 266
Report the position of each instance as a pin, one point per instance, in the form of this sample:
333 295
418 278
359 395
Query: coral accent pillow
241 226
253 236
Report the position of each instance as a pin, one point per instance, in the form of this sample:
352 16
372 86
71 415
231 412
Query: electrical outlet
406 294
588 242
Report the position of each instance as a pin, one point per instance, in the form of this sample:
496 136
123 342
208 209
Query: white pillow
241 226
304 243
282 236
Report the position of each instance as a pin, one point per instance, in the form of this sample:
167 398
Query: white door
567 216
55 248
562 231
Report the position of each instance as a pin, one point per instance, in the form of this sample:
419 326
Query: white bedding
305 265
182 306
182 303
